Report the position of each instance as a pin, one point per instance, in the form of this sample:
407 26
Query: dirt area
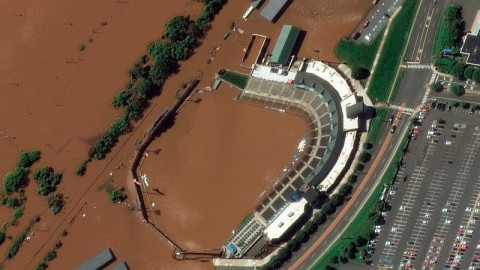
56 98
254 51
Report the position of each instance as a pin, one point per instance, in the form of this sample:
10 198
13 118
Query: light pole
317 51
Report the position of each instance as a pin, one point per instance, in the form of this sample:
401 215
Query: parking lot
433 212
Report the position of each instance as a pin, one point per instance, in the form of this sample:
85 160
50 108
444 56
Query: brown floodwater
213 163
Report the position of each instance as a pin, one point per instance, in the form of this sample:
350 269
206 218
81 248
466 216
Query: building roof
284 46
311 194
286 219
471 47
334 145
355 110
120 266
271 10
99 261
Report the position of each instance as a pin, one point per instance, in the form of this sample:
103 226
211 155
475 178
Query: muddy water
334 19
56 99
213 164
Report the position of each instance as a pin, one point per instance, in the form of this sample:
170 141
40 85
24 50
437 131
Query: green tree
120 100
182 49
345 190
476 75
457 89
81 169
177 28
26 159
302 236
319 218
468 72
436 86
119 126
457 70
52 254
367 146
14 180
284 254
365 157
360 73
328 208
48 180
55 202
444 65
310 227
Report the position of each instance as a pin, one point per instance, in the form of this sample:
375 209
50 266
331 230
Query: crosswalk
427 93
406 110
416 66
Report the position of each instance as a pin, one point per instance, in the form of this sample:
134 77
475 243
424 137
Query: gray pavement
438 199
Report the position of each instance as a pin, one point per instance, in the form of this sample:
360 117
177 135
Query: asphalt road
346 220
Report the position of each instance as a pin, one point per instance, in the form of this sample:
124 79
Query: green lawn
388 62
362 225
443 35
356 54
376 124
237 79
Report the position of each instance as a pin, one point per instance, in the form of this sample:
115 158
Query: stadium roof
284 46
331 98
286 219
100 260
471 47
355 110
272 9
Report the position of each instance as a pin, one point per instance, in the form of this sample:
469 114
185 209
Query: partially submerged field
56 98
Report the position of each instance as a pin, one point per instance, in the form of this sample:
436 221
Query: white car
402 207
448 221
394 229
468 209
448 143
388 243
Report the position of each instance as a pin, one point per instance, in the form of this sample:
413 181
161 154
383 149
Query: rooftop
272 9
286 219
99 261
284 46
471 47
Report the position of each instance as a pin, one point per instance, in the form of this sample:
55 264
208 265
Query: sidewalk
357 87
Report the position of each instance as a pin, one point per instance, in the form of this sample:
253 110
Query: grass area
441 40
443 35
237 79
388 62
376 124
362 225
396 86
357 54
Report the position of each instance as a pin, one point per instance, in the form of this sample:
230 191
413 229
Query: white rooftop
265 72
283 222
340 163
349 123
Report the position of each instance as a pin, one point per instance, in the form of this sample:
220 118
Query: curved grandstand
320 94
